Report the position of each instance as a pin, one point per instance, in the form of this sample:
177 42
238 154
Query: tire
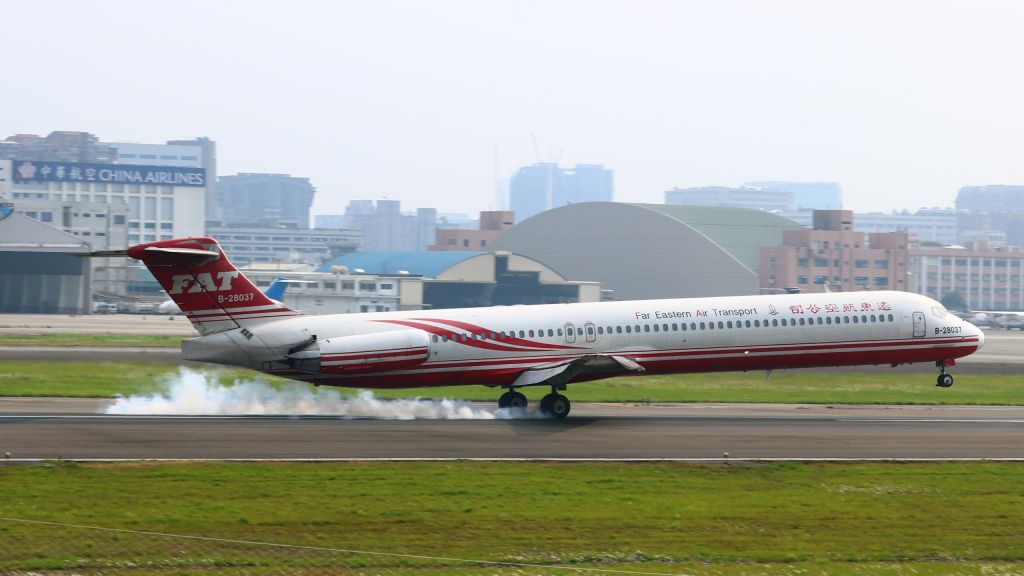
944 380
517 401
505 400
555 405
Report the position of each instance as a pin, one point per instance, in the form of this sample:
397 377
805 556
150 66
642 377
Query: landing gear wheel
944 380
555 405
513 399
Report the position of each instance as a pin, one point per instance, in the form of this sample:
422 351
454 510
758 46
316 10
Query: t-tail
210 291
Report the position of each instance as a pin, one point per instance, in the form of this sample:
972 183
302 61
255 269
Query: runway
70 429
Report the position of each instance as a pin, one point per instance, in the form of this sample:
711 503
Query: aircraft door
570 333
591 331
918 324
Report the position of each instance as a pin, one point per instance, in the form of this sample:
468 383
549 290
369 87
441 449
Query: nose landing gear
944 380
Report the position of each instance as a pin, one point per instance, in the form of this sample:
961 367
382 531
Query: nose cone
981 335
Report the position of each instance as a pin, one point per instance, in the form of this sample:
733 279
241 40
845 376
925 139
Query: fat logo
201 282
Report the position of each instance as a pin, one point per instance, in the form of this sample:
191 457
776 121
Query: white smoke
192 393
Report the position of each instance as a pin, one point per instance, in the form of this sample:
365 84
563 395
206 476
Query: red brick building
492 224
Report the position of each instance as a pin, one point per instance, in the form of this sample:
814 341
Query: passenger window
559 331
664 327
864 319
783 322
656 328
637 328
890 318
702 326
854 319
676 326
748 323
579 331
600 329
683 326
444 338
693 325
530 333
647 328
494 336
629 329
828 320
434 337
618 329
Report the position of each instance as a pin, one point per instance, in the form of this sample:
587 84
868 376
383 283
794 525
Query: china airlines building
162 202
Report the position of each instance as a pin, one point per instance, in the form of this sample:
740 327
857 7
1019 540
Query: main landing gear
554 404
944 380
513 399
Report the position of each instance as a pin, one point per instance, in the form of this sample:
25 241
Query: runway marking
953 420
341 417
716 460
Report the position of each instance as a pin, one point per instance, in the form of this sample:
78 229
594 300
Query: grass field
67 339
940 518
97 379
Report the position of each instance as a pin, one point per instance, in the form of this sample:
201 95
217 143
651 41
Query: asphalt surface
72 429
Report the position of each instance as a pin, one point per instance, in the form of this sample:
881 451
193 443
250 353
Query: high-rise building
806 195
264 200
543 186
994 208
384 226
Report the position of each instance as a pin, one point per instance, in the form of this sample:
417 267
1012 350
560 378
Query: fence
33 547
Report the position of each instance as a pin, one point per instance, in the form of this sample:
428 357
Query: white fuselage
492 346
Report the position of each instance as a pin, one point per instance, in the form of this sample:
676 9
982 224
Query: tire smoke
192 393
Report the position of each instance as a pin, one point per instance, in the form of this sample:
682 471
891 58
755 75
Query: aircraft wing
556 373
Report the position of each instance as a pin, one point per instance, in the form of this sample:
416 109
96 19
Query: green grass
94 379
939 518
99 379
70 339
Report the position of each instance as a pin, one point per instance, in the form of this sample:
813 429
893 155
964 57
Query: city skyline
901 104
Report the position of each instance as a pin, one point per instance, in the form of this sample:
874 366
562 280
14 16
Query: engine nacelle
378 352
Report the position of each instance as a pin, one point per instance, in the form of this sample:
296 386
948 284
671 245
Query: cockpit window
939 311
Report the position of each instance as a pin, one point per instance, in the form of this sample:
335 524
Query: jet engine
379 352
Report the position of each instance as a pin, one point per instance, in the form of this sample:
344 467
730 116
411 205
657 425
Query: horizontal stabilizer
105 254
186 252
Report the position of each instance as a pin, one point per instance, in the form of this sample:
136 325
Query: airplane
514 347
275 292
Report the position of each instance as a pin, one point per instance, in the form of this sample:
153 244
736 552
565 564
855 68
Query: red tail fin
197 275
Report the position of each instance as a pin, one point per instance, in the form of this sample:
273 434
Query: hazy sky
901 102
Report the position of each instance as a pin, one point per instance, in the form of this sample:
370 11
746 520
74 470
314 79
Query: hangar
643 251
39 272
467 279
